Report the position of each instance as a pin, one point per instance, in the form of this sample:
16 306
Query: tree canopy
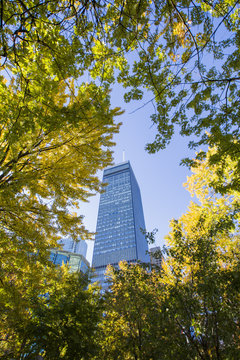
57 320
191 63
186 53
59 60
56 127
55 135
190 308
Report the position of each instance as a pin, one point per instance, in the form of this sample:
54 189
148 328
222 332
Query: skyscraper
120 217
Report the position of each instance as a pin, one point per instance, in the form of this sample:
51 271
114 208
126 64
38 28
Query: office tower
76 247
156 257
120 217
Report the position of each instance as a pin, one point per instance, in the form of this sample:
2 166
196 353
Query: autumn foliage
59 61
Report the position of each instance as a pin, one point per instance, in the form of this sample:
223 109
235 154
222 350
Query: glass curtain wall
120 217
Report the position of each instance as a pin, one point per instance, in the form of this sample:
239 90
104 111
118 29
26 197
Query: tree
51 124
173 44
130 327
50 155
56 128
191 64
203 267
137 322
23 278
58 324
188 309
54 138
64 324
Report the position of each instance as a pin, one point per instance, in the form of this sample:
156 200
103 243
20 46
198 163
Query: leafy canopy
57 320
185 53
190 307
56 127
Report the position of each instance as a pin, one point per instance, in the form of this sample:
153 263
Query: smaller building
76 262
156 257
76 247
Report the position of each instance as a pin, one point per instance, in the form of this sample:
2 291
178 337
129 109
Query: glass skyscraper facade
120 217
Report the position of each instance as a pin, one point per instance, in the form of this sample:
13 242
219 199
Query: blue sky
160 177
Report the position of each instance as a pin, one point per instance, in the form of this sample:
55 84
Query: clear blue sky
160 177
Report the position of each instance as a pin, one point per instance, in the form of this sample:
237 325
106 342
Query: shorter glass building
77 247
76 262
